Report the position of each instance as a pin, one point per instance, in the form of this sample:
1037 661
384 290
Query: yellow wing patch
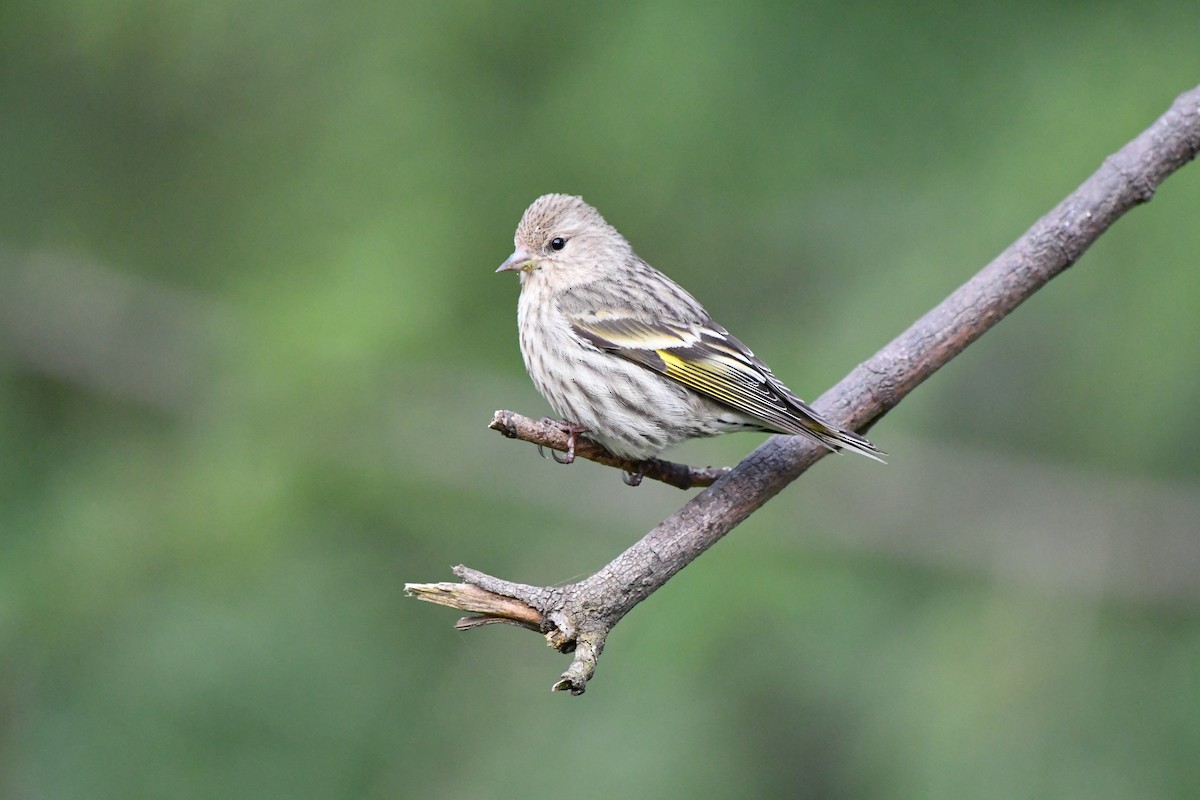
723 379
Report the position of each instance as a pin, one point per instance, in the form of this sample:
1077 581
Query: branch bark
577 617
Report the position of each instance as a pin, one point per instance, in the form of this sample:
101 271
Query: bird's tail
808 422
836 438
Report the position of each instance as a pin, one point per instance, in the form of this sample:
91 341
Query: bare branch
490 606
580 615
552 434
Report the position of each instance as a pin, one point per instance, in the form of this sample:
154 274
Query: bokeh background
250 339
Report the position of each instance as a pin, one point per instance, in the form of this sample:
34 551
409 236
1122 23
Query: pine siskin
627 356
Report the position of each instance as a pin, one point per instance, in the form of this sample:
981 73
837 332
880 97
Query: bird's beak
518 261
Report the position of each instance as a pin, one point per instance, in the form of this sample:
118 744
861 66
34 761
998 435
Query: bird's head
564 237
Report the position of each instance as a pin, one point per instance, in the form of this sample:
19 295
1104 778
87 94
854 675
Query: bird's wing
705 358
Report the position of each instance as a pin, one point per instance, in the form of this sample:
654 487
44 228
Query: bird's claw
635 478
573 432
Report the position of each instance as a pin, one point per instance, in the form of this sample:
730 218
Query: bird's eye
558 243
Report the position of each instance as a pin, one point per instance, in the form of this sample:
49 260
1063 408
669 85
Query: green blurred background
250 338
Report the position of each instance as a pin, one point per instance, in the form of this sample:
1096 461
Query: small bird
627 357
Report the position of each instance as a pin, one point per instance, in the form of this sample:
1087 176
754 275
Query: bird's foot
573 432
635 478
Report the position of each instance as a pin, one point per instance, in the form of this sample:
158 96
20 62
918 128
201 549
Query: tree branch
577 617
552 434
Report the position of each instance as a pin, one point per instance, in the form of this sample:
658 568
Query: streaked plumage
620 349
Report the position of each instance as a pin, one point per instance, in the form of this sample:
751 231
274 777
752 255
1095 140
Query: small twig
553 434
492 607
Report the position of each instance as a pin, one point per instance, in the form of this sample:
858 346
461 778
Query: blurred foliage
250 338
